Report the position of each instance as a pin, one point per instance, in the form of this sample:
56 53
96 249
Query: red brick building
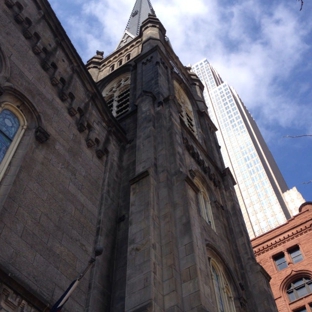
286 254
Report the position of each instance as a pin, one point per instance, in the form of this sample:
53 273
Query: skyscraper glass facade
260 185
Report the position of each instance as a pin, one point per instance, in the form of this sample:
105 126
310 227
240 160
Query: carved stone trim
201 163
218 205
211 125
37 49
19 18
161 62
81 127
54 81
228 173
45 65
100 153
282 240
121 219
90 143
192 173
243 301
145 308
41 135
139 177
9 3
63 96
27 34
20 297
169 98
190 182
11 300
147 60
147 93
4 68
72 111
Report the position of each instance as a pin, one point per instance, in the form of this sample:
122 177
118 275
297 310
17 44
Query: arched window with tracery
117 95
204 204
299 288
222 289
186 111
12 127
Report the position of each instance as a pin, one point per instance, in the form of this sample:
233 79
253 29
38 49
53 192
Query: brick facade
278 252
137 185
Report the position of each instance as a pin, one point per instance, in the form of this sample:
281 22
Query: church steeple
139 14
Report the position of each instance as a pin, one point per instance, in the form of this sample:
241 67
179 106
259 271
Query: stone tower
120 154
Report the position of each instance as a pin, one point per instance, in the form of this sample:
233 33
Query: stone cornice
283 239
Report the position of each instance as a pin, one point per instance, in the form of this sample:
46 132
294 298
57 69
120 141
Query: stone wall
53 211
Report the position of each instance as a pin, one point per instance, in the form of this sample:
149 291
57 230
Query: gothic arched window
12 127
9 124
205 207
186 112
204 204
222 289
117 95
299 288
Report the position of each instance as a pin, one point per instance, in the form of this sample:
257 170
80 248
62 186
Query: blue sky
261 48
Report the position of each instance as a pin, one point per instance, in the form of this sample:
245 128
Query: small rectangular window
295 254
280 261
301 310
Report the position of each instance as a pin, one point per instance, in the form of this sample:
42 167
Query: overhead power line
297 136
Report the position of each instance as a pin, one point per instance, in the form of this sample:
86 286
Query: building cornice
282 239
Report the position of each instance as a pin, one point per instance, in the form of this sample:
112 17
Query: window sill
298 300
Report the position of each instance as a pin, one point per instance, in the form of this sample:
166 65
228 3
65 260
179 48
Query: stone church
118 153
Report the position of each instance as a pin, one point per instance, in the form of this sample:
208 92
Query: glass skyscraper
263 194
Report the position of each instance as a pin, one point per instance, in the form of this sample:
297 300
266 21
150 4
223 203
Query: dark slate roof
138 15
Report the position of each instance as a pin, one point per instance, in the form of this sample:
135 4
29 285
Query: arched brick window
299 288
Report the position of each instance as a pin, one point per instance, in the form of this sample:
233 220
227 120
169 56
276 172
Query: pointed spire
140 12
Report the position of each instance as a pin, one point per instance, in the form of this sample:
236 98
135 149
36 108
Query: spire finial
139 14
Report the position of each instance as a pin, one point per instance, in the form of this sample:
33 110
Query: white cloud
257 47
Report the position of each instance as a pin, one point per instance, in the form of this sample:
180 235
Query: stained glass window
9 124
